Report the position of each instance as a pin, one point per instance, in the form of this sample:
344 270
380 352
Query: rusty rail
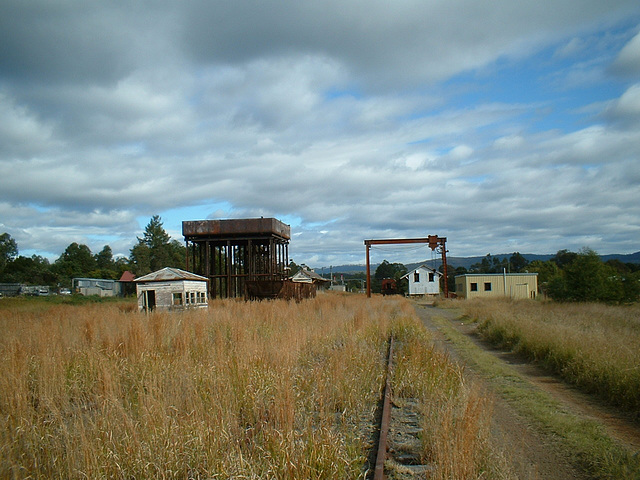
378 473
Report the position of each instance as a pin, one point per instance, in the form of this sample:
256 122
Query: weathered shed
102 287
305 275
171 289
423 281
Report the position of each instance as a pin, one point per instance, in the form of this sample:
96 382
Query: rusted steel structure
433 241
237 254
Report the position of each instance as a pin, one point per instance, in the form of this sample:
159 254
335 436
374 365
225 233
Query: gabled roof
167 274
303 272
424 267
127 276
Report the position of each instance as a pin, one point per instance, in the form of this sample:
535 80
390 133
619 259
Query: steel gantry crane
435 243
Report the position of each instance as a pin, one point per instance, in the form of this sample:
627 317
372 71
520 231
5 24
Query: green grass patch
40 303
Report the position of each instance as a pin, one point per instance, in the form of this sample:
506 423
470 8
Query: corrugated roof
311 275
167 274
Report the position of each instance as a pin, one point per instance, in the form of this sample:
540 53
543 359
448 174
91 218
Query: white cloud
356 124
628 60
626 109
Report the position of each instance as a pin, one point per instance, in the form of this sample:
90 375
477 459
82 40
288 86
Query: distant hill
466 262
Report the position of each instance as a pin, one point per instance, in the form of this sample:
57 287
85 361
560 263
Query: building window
193 297
487 286
416 277
202 297
177 298
474 287
432 277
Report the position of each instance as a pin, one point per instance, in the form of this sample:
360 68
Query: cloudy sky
505 126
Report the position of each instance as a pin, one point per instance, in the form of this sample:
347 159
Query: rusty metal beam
396 241
368 271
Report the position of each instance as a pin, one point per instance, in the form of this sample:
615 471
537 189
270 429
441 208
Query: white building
423 281
171 289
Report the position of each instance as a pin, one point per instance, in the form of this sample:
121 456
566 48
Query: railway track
399 445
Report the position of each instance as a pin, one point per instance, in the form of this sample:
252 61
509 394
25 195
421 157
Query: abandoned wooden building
241 257
171 289
306 275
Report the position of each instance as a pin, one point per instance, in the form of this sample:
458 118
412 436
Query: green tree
156 250
293 268
517 263
76 261
452 276
34 270
388 270
490 264
8 250
587 279
105 265
140 259
104 259
547 272
564 258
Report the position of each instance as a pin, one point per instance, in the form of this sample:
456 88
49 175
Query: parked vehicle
389 286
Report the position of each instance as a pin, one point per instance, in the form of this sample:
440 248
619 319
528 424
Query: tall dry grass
594 346
456 414
243 390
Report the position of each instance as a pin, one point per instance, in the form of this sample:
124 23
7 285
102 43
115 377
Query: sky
504 126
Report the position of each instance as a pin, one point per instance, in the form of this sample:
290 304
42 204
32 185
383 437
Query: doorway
149 300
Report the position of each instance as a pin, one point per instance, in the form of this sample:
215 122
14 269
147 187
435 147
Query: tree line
153 251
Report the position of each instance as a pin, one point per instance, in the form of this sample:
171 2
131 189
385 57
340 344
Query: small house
512 285
171 289
423 281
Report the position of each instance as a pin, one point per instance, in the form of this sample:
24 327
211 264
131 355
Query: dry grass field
243 390
593 346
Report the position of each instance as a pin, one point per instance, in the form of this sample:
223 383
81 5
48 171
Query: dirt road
532 454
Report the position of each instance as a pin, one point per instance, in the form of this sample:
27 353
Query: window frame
177 296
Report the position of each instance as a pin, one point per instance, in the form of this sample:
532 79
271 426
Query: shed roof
303 272
169 273
127 276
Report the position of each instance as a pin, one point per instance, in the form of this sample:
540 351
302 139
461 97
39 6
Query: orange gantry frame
434 242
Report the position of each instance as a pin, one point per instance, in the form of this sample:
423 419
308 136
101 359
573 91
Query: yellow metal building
513 285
